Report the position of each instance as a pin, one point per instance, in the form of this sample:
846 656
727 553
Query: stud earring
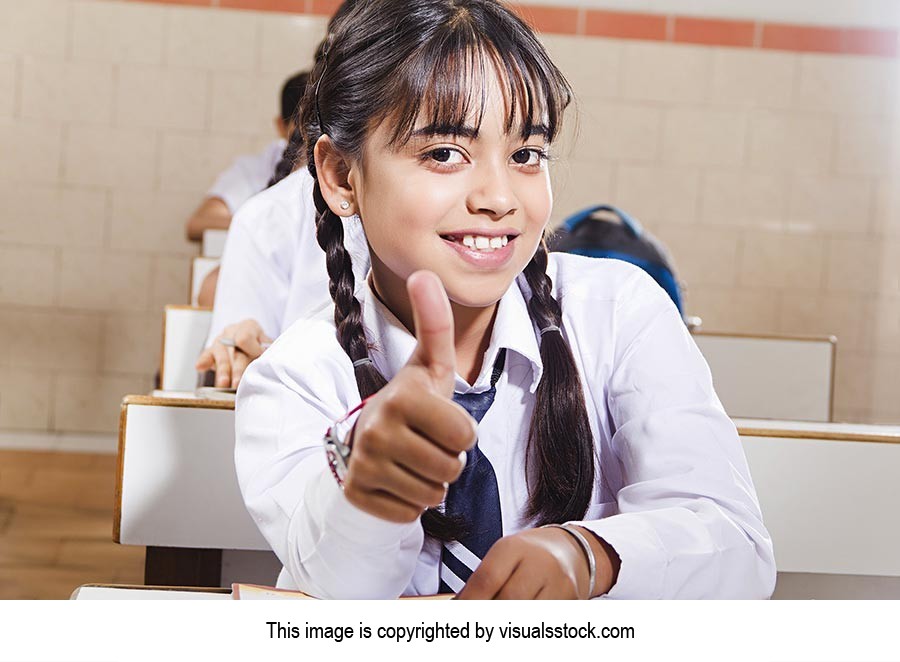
345 205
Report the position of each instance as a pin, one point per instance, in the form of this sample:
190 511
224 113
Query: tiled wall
774 178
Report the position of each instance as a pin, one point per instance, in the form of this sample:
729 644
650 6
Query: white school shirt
247 176
272 269
673 494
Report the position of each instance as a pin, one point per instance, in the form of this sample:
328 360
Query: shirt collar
392 344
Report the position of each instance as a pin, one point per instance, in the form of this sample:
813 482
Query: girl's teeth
484 243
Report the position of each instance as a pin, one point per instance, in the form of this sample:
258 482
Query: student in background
604 463
249 174
273 270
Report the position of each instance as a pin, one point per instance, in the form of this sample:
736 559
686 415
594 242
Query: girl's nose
492 193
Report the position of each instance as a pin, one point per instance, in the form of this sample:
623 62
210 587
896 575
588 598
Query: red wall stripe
645 26
625 25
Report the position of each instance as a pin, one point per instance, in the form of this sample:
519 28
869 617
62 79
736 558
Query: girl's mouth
485 252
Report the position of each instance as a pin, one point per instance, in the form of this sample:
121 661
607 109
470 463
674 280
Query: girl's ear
332 171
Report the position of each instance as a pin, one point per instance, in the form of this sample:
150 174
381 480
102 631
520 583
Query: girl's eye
445 156
529 156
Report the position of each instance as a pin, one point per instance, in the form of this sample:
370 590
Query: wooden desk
116 592
829 500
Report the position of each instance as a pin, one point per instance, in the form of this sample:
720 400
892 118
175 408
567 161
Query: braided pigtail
560 454
347 310
290 158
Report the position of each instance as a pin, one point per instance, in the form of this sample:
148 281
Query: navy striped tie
474 499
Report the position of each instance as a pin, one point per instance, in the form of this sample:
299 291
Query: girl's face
470 207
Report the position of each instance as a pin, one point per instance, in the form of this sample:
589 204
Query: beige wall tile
790 141
703 137
702 255
744 199
819 315
868 147
27 275
220 40
171 280
31 151
288 43
131 343
52 216
50 340
881 326
152 222
665 72
890 268
734 309
35 27
577 185
191 162
120 158
244 103
846 84
119 32
95 280
854 265
887 207
67 91
90 403
608 130
753 78
24 400
784 261
658 194
854 380
590 65
9 85
886 389
160 97
832 204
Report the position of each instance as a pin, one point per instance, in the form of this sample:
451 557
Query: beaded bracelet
585 547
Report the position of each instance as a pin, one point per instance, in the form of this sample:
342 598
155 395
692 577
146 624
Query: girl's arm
330 548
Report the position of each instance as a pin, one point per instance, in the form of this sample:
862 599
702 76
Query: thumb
436 349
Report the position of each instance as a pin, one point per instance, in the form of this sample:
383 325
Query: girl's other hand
232 352
409 440
541 564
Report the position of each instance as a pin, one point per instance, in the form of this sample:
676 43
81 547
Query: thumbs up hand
408 442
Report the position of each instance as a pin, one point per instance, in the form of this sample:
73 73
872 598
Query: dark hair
397 61
293 151
291 93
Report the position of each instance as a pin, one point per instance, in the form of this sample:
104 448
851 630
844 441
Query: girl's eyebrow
446 130
469 131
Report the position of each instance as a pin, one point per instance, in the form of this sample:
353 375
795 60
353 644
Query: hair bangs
443 88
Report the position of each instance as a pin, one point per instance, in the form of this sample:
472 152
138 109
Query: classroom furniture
770 376
177 494
184 335
826 491
200 269
829 500
213 243
118 592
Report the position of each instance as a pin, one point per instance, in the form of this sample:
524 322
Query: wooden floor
56 512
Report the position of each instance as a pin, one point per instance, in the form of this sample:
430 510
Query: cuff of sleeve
642 555
350 523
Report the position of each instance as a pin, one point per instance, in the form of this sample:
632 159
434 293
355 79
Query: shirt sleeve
256 268
688 522
329 548
245 177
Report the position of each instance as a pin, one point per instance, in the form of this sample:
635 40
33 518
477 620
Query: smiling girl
500 423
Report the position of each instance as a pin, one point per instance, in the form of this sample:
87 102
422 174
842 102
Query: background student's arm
689 523
212 214
252 290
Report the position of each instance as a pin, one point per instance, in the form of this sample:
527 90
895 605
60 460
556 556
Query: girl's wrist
606 559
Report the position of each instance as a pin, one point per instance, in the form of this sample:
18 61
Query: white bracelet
586 548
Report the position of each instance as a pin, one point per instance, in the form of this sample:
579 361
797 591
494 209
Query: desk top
756 427
114 592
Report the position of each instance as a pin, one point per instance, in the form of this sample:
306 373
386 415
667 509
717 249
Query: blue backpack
583 234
